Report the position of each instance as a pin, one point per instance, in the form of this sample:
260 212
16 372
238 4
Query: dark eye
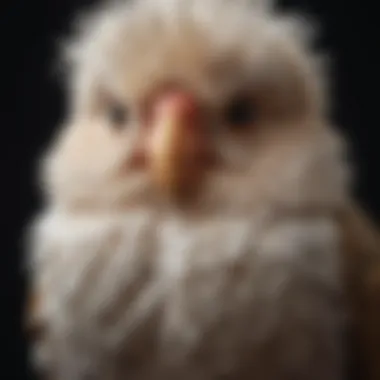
240 113
117 114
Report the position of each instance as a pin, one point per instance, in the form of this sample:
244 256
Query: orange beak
175 144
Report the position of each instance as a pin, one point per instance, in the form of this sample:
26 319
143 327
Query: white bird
196 199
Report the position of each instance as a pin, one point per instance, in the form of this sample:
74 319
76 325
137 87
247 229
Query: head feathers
142 31
126 49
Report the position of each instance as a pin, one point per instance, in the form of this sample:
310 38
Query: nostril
209 159
138 160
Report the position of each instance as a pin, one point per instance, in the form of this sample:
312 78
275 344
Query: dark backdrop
32 103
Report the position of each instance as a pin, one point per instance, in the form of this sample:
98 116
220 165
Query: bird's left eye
117 114
240 113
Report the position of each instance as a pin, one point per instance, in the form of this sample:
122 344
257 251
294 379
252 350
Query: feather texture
258 278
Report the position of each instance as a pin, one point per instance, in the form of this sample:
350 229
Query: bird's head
178 102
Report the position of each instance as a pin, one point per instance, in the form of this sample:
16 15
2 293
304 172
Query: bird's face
201 103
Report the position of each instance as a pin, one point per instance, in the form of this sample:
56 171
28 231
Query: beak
175 144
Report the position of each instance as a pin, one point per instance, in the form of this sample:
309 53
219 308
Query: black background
32 103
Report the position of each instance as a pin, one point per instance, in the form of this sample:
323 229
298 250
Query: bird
198 220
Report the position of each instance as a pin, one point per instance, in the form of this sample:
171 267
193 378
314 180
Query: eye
117 114
240 113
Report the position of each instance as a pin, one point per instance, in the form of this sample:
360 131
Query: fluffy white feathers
246 284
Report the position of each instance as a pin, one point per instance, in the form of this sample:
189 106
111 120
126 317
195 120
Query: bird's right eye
240 113
117 114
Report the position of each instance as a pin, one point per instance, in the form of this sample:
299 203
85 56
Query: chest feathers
142 297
